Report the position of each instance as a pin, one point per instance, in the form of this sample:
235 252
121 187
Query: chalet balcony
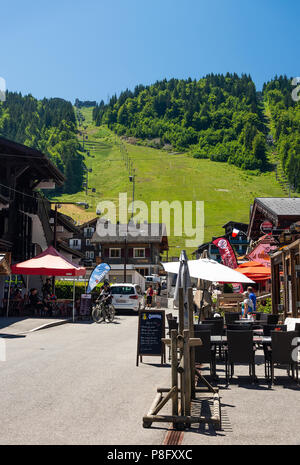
88 234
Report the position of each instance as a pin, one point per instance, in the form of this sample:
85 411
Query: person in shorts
149 295
247 305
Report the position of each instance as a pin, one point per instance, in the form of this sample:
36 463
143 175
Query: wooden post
174 373
180 328
275 285
187 374
181 311
192 349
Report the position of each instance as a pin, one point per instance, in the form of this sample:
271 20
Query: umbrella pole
8 296
27 284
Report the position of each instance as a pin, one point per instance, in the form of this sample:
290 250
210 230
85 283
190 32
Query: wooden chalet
281 213
139 245
285 266
24 221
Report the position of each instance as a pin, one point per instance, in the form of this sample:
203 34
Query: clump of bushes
64 289
265 306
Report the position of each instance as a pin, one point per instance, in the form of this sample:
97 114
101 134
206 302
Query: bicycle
103 310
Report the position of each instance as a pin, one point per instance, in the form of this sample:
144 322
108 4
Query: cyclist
105 293
104 308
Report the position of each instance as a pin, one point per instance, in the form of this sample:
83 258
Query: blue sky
95 48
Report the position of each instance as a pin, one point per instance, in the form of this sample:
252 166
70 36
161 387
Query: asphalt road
78 384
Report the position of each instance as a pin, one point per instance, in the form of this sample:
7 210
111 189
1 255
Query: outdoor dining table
62 304
220 340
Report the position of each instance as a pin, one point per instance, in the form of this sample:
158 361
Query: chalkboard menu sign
151 329
85 304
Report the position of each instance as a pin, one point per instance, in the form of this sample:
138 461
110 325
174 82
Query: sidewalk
19 325
251 413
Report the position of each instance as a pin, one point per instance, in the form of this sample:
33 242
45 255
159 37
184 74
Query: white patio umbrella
209 270
184 282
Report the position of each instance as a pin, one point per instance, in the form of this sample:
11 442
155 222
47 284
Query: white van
127 296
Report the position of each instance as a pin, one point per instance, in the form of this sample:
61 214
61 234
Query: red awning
48 263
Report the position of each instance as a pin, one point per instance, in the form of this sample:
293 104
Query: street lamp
58 205
132 179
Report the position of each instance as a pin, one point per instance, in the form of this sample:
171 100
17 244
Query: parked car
127 296
152 279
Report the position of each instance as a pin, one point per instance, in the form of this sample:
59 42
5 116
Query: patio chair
272 319
218 324
231 317
172 324
263 318
240 350
218 330
258 315
268 328
204 327
281 353
297 328
207 352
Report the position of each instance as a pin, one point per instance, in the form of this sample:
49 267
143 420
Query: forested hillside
284 114
48 125
217 117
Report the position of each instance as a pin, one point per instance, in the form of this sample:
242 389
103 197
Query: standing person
149 294
47 296
158 289
252 297
247 305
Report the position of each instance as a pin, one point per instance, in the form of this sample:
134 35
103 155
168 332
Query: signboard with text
151 329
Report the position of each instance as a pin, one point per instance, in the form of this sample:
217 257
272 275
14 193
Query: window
139 253
89 254
88 242
125 290
88 232
115 253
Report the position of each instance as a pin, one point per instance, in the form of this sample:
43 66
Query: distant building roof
280 211
143 232
281 206
40 165
237 224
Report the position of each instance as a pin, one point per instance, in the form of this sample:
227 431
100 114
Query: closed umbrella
184 282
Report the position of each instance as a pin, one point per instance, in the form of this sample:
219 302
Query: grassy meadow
227 191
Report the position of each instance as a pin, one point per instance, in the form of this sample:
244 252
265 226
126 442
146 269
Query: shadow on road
11 336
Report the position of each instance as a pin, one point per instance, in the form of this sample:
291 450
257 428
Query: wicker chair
240 350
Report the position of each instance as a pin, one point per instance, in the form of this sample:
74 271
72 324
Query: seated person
47 289
35 303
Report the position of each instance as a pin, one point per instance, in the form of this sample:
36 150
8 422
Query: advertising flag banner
228 258
97 275
226 251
